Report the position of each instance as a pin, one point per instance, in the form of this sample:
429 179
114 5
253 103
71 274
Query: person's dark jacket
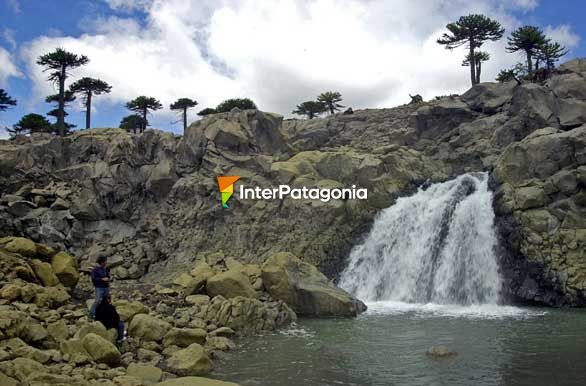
98 273
106 314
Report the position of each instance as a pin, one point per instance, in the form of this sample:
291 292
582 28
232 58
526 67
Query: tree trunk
472 63
61 108
332 109
529 63
184 119
143 124
478 70
88 109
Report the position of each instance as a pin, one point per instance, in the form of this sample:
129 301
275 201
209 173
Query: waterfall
437 246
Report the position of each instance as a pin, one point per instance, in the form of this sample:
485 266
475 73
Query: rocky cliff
151 201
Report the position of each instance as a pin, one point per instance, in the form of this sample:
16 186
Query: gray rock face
152 199
541 195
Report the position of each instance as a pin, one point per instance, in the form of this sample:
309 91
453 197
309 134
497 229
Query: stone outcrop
305 289
541 203
151 201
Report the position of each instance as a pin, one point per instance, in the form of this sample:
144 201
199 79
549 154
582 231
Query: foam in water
437 246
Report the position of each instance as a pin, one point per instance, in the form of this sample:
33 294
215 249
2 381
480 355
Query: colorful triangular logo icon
226 184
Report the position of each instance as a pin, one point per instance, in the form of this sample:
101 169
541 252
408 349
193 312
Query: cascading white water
437 246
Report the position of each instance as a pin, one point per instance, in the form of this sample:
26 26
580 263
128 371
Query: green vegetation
31 123
311 109
549 53
133 123
527 39
5 100
479 57
207 111
142 105
330 99
88 87
240 103
472 31
183 104
59 62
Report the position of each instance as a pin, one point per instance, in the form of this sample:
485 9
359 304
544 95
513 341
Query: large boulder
147 373
488 97
183 337
65 268
44 272
21 246
194 381
100 349
305 289
128 309
148 327
230 284
192 360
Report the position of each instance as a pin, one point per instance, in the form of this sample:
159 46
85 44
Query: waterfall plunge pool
428 271
496 345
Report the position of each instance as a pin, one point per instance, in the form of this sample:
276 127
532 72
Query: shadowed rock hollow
151 201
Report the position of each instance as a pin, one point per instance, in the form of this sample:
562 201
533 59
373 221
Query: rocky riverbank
151 202
174 330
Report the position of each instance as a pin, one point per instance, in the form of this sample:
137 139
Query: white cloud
279 52
8 35
3 133
563 34
7 66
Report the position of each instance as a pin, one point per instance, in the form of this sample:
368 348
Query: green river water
496 345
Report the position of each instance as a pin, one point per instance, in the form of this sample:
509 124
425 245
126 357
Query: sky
277 52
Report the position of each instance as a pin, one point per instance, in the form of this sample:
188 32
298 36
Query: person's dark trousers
120 330
100 293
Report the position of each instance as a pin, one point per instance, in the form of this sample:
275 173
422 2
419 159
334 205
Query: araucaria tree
479 57
240 103
31 123
142 105
183 104
527 39
311 109
548 54
330 99
59 62
88 87
472 31
132 123
5 100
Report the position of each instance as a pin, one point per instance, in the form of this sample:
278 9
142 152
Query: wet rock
194 381
305 289
440 352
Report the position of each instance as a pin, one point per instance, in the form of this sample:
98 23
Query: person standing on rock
101 282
